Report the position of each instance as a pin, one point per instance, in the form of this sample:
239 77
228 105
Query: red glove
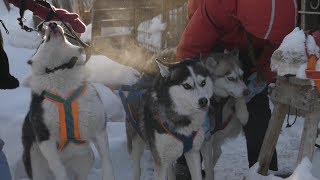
43 12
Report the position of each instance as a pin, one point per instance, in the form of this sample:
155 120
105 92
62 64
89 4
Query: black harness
216 112
68 65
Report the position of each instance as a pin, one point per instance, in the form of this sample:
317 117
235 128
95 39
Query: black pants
255 129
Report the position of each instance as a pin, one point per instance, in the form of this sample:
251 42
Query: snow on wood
290 57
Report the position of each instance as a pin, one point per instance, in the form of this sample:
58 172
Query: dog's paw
241 110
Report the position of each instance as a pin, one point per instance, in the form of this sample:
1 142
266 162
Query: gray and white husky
169 120
228 104
58 71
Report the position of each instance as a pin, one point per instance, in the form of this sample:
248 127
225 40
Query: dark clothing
7 81
255 129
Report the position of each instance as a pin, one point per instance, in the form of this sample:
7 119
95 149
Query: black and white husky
65 114
169 119
228 112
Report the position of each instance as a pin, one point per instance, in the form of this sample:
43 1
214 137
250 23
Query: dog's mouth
205 108
54 31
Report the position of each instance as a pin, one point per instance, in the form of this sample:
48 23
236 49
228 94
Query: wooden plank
271 137
309 136
303 97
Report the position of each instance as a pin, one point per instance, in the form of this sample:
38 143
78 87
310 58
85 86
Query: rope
295 119
5 28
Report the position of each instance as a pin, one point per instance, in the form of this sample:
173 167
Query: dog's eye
203 83
187 86
231 79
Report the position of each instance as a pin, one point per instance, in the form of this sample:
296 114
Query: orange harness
68 115
311 72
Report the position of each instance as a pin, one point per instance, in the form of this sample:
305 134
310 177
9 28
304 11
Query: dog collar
67 65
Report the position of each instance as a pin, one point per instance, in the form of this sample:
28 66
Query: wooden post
271 137
309 135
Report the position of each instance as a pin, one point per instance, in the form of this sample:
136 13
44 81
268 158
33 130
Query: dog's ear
164 70
235 52
211 62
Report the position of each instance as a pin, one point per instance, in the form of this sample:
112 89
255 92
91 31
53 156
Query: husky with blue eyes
169 118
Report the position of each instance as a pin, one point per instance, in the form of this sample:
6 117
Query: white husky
65 112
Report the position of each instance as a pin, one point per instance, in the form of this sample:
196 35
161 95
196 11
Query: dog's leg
102 144
49 150
39 165
136 153
160 171
216 149
194 164
206 151
81 165
171 173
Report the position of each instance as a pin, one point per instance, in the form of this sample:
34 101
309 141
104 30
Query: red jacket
223 23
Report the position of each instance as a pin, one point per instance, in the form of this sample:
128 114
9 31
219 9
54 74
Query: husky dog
169 118
58 77
228 105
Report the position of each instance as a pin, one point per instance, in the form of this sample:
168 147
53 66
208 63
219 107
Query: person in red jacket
254 27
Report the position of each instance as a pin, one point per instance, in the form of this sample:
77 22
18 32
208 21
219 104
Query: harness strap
186 140
68 115
135 93
311 72
127 109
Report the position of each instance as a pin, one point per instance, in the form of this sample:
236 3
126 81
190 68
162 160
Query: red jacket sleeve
42 12
200 36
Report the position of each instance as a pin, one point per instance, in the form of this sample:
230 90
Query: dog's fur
41 134
226 73
168 101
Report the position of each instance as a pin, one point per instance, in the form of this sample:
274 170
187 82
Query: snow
291 58
86 36
303 171
150 33
232 165
118 74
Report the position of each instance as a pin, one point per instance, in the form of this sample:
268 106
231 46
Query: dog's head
224 69
187 86
55 50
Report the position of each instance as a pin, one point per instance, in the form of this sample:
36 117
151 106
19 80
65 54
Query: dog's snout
53 25
203 102
245 92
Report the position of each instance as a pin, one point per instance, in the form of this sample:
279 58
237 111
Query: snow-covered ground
232 165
